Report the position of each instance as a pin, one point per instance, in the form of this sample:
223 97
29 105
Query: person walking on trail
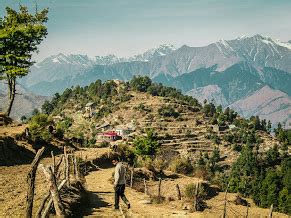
119 183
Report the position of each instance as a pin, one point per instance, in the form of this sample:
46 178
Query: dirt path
101 199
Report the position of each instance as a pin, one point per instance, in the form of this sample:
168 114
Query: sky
129 27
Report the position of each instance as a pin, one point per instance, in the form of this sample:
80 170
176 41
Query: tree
148 145
23 118
20 34
269 126
47 107
273 156
140 83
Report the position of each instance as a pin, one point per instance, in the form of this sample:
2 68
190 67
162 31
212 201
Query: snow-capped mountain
106 60
162 50
226 71
66 59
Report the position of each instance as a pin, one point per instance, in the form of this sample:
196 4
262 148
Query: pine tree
269 126
20 34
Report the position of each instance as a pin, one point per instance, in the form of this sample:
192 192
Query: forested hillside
179 131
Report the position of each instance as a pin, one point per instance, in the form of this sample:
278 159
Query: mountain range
227 72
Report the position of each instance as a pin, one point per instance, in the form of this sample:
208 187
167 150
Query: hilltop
181 122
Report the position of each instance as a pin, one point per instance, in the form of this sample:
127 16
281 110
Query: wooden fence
56 178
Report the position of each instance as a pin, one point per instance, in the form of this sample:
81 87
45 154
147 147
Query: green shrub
168 111
147 145
190 190
159 164
237 147
103 144
92 141
181 165
38 128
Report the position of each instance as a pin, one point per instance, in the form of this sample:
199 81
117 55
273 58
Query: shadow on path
93 204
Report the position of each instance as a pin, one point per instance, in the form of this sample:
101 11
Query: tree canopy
20 34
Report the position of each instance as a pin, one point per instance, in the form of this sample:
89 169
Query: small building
104 127
123 131
232 126
110 136
218 128
89 107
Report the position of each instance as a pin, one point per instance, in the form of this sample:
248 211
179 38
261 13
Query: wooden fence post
54 162
30 182
145 187
159 189
247 211
59 208
224 208
271 211
67 166
131 177
196 196
76 167
57 171
38 214
178 192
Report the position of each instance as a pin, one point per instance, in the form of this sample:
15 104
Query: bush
168 111
60 130
104 144
202 173
159 164
92 142
202 192
181 165
146 145
38 128
237 147
190 191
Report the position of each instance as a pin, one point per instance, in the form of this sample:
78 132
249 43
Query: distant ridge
246 63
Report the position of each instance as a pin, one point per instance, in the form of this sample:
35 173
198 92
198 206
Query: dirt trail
101 199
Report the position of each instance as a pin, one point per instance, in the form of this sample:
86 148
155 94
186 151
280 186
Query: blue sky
128 27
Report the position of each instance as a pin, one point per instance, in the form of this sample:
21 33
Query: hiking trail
101 198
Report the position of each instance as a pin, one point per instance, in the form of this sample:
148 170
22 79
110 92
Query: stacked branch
53 175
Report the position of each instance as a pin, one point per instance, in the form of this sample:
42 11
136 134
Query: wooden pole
159 189
178 192
67 166
54 162
77 173
224 208
72 161
271 211
145 187
247 211
38 214
59 163
57 171
59 208
30 182
131 177
196 197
